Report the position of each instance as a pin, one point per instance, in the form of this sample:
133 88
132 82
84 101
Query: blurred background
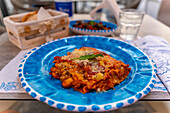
158 9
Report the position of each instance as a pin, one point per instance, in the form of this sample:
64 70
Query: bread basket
34 33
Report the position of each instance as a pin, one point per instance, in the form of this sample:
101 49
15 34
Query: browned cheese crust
99 74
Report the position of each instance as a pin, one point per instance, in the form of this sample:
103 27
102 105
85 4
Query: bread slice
30 17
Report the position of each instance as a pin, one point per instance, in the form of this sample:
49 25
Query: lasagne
88 69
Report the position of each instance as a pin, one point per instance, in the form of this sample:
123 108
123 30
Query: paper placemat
9 80
158 50
10 83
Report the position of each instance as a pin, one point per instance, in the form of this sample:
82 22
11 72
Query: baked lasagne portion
88 69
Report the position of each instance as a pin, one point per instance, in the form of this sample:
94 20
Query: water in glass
129 24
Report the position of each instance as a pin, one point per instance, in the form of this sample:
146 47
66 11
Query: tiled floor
161 106
4 105
2 30
39 107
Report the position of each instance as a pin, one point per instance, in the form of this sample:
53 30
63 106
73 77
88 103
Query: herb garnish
89 57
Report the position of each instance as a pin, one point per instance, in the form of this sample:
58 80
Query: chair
112 8
2 28
30 5
150 7
164 12
22 5
128 4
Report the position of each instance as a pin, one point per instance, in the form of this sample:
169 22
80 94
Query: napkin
159 51
43 14
10 83
110 5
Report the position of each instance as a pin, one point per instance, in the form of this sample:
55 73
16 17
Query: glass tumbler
130 21
64 6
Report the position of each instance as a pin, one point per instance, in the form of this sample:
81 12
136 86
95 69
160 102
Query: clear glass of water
129 23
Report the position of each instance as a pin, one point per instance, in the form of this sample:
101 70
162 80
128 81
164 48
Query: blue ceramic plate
93 32
34 75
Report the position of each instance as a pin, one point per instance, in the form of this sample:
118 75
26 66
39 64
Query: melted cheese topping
100 73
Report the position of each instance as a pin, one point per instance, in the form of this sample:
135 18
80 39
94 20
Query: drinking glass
130 21
64 6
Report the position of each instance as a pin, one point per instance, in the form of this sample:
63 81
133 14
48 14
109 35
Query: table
150 26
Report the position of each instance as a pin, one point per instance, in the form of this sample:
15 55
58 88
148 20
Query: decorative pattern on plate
93 32
34 69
